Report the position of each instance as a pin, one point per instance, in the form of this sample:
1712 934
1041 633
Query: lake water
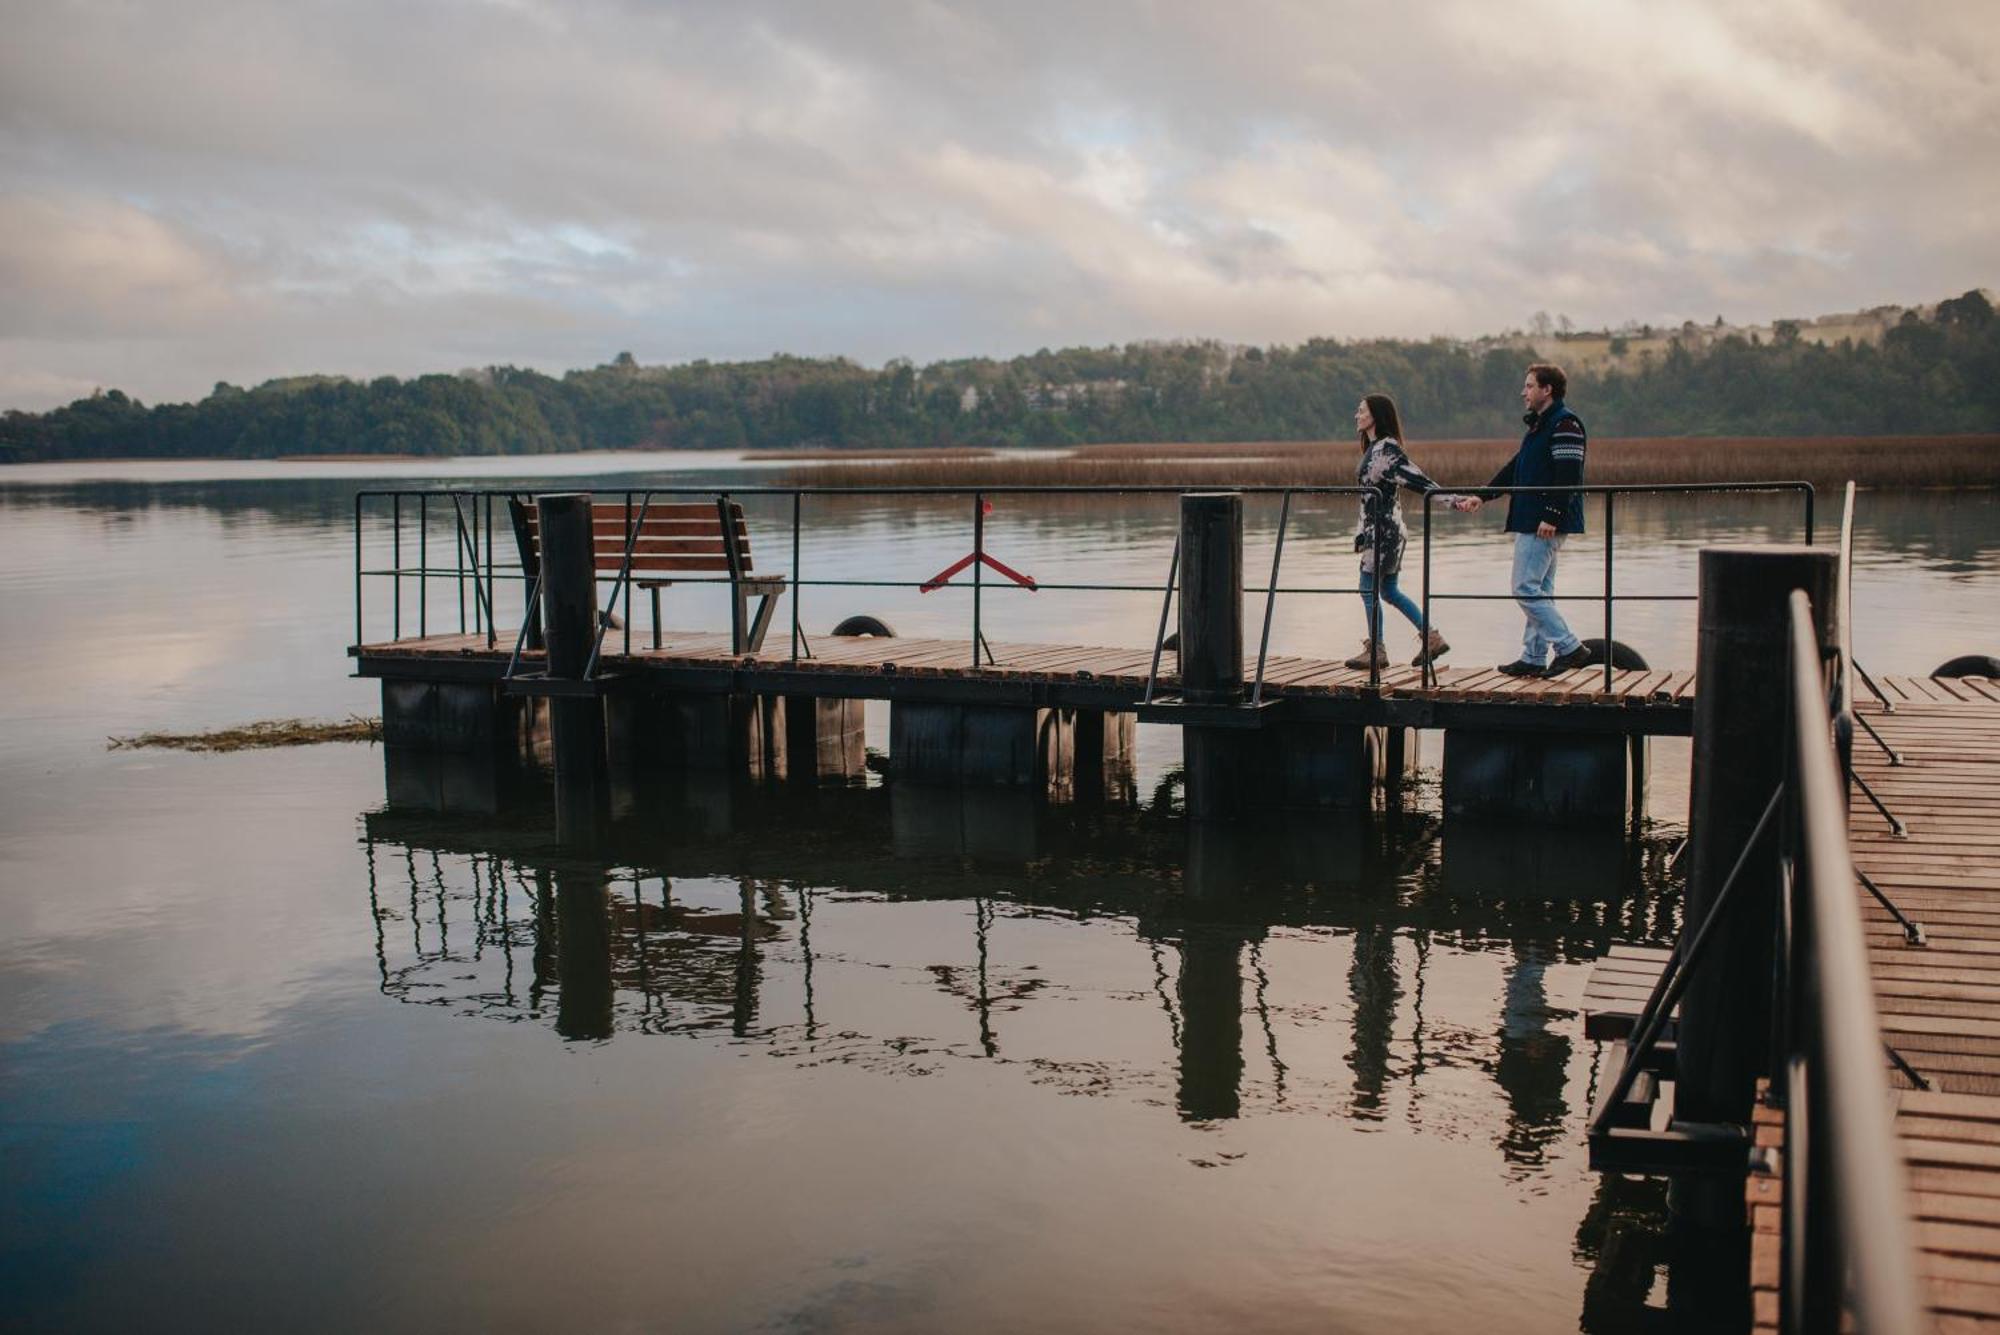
274 1055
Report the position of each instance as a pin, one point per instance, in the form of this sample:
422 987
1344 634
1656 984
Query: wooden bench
673 539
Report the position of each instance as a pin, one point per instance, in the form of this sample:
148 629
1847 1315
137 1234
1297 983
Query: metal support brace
534 600
1888 705
1166 605
1913 932
1896 827
1904 1066
1673 979
1895 760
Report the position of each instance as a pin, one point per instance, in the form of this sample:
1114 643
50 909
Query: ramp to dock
1940 1002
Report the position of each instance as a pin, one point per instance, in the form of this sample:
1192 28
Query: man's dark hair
1550 376
1383 409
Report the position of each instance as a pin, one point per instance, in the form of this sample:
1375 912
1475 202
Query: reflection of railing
473 561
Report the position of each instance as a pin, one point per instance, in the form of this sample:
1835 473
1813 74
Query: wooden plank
1657 954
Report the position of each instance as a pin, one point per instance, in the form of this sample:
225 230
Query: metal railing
471 525
1606 595
474 513
1845 1236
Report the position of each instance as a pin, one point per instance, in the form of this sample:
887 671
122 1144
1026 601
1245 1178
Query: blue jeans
1392 595
1534 584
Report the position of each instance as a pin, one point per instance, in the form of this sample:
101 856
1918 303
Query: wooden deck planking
926 656
1940 1004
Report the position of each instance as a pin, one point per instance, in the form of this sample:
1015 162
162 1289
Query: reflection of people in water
1533 1068
1372 983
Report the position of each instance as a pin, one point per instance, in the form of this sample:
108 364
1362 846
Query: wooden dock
1658 703
1939 1003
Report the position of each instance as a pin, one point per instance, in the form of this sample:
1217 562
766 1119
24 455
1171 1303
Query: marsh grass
252 736
862 456
1825 461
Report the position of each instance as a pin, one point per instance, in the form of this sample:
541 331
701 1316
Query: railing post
396 564
458 556
1610 500
357 566
1377 652
569 621
1739 748
797 576
492 629
978 563
1429 676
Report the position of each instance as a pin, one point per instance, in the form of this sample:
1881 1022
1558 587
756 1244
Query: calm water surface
273 1054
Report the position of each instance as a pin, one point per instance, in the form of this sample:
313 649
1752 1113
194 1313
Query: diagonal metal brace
1888 705
1895 760
1896 826
1673 980
1904 1066
1913 932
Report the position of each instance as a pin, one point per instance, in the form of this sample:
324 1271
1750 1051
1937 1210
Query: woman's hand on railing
1466 504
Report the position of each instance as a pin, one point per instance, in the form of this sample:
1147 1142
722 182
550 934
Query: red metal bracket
943 577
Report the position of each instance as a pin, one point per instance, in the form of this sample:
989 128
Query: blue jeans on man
1534 590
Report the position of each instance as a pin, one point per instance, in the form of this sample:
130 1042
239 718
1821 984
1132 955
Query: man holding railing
1551 455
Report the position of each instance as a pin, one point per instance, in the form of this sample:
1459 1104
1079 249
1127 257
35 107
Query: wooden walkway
1939 1003
1660 702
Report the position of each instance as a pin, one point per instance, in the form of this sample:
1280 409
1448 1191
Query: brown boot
1371 655
1434 649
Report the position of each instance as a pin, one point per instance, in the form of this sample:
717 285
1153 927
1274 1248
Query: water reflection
681 933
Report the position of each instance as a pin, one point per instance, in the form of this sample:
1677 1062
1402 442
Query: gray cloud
220 189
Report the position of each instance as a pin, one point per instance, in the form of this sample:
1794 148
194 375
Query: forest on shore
1930 374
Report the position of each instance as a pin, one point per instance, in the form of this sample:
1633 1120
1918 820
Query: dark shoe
1575 658
1522 668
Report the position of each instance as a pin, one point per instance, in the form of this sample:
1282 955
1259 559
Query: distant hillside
1919 370
1629 345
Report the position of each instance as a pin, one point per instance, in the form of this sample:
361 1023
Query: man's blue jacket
1551 455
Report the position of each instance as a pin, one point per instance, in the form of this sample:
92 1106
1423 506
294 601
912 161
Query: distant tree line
1928 375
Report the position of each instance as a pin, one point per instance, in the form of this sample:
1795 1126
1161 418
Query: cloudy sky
203 190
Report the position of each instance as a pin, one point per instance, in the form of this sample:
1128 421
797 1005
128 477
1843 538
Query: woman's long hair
1383 409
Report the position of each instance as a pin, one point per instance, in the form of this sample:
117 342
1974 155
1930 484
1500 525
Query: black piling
1218 760
1739 746
583 954
569 620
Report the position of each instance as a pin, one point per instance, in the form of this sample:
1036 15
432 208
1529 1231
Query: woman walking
1385 468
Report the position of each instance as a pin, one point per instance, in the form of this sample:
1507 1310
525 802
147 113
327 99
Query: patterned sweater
1384 470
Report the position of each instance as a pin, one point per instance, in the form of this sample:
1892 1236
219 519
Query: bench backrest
678 536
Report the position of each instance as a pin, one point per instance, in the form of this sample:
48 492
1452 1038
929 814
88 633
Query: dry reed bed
858 456
1825 461
254 736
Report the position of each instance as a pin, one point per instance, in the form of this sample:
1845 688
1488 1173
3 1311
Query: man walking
1551 455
